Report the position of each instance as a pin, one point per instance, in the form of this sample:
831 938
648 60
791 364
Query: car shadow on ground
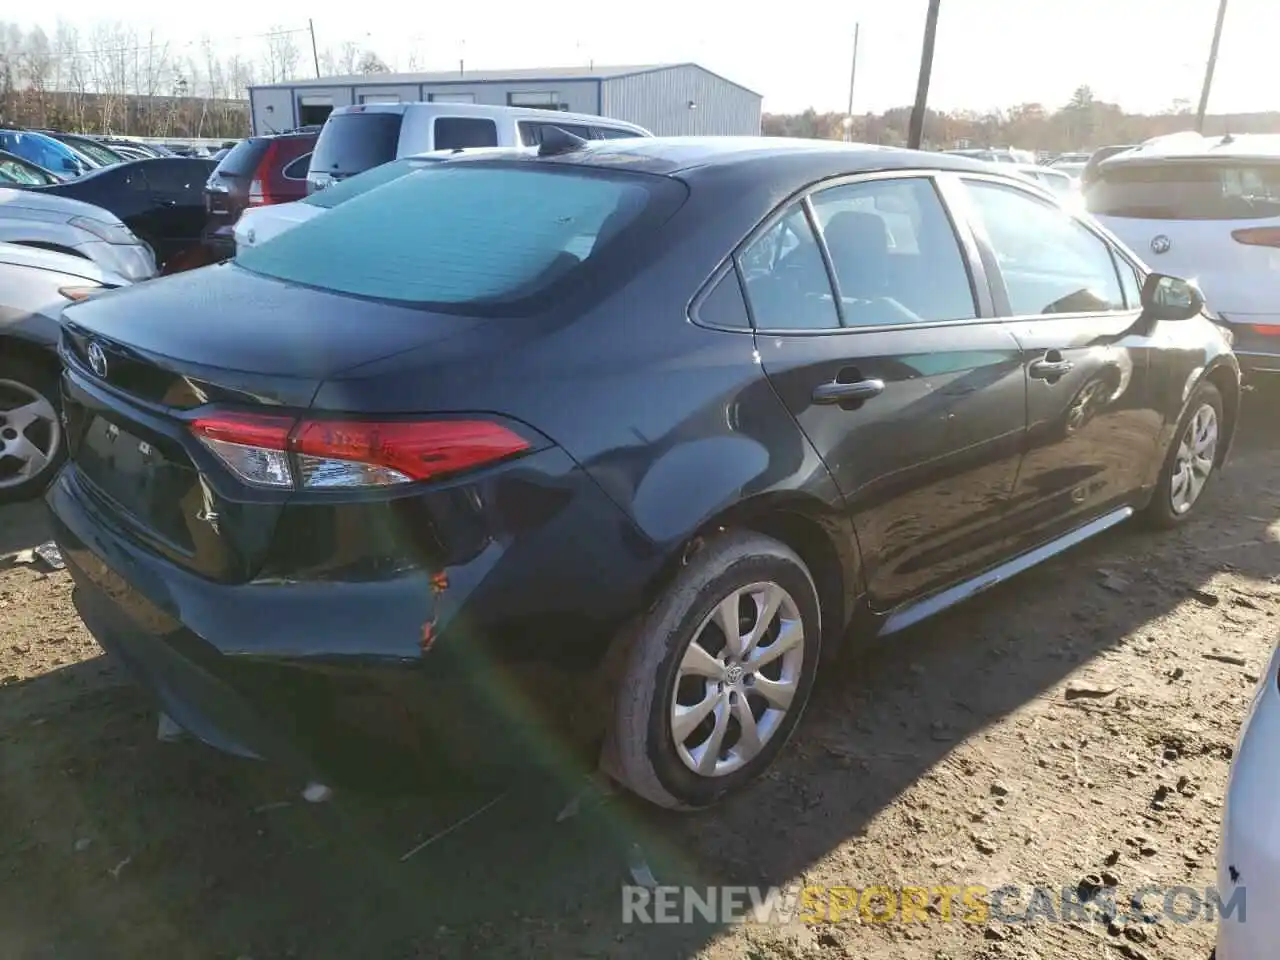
113 844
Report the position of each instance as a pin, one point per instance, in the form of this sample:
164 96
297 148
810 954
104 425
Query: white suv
355 139
1206 208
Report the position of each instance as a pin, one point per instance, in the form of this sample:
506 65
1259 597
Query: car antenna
556 142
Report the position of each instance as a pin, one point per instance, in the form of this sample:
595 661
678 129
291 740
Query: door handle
1050 367
164 202
837 392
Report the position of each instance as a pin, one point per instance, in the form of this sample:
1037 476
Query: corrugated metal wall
659 101
580 95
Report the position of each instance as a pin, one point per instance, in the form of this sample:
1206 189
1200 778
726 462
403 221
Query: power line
138 48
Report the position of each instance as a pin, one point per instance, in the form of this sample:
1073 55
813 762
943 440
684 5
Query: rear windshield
354 142
96 152
344 190
243 158
1186 190
467 239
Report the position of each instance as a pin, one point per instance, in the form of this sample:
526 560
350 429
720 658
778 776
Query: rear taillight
1266 329
260 186
280 452
1257 236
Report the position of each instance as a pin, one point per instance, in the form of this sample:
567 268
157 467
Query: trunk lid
145 361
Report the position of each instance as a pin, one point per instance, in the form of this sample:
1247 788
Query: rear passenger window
724 306
613 133
786 279
895 255
297 169
453 133
176 176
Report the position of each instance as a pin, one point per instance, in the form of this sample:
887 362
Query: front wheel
1191 462
718 674
31 447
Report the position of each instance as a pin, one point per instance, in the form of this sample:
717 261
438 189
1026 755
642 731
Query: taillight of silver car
316 454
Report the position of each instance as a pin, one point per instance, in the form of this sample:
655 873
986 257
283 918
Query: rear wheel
1191 461
31 442
718 674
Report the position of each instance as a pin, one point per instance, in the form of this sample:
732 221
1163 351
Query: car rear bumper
1249 855
1258 352
270 669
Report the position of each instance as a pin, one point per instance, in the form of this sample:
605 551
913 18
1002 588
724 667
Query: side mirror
1170 298
70 165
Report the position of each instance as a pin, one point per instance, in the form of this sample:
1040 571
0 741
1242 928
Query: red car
257 171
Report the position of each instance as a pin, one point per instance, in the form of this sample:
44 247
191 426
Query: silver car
1249 855
74 227
34 287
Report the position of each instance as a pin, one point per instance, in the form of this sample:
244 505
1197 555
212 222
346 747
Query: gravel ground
1075 725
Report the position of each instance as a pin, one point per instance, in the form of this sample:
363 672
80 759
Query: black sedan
161 200
637 432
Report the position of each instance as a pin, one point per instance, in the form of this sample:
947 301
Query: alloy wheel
30 433
1197 449
737 679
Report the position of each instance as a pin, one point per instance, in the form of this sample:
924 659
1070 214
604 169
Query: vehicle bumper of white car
1257 341
1249 855
134 261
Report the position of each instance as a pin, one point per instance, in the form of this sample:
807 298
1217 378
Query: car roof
485 110
819 158
1192 146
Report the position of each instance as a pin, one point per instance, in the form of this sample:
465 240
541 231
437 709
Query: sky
1142 54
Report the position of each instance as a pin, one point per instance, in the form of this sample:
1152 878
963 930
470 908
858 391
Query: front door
1092 428
880 342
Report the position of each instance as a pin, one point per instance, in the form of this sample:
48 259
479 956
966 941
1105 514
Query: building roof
519 75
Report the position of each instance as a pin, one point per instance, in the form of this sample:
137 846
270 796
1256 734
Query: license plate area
150 488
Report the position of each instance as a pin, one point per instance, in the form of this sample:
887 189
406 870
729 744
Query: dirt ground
1072 723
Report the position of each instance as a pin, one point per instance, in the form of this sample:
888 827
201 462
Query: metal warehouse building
670 100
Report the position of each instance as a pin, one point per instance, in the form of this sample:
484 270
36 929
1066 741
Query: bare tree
282 54
370 62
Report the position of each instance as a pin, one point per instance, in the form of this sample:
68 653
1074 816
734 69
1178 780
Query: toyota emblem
1160 244
97 359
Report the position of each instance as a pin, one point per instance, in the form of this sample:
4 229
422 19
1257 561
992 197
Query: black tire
43 382
641 751
1160 512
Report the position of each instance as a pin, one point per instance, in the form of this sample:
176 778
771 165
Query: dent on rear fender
695 480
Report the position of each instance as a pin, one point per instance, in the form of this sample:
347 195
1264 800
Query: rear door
176 195
1093 426
875 326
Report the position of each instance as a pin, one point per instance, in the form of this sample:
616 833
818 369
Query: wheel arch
1224 375
820 536
29 351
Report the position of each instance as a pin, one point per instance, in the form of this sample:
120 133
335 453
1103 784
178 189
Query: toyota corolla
639 432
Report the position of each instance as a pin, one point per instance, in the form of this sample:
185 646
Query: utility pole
853 73
1208 70
916 133
315 57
